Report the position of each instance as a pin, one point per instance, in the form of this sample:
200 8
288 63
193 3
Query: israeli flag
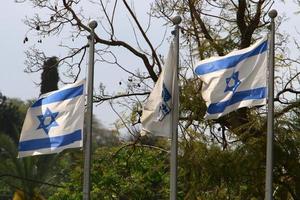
54 122
159 110
234 81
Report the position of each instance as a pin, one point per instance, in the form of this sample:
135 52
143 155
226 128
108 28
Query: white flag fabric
54 122
236 80
162 104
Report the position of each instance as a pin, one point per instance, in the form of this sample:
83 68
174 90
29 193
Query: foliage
207 170
12 113
224 174
26 175
219 159
49 77
122 173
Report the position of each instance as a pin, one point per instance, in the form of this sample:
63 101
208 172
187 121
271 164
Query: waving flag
54 122
234 81
158 110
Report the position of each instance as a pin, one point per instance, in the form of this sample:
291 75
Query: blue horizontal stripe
51 142
258 93
60 95
229 62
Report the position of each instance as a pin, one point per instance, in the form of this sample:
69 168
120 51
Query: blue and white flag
236 80
158 112
54 122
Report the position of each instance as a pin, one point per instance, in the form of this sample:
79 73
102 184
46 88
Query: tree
208 28
14 110
49 76
132 172
24 176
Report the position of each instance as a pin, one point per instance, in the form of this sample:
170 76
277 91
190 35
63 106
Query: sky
15 83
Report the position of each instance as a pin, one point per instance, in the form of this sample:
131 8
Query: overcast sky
15 83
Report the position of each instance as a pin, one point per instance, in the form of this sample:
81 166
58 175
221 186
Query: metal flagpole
270 125
174 141
89 117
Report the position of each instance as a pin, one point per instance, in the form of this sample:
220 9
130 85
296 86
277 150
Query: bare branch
114 43
144 35
105 98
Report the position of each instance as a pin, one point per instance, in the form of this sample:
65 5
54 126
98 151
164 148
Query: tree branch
113 42
144 35
204 29
102 99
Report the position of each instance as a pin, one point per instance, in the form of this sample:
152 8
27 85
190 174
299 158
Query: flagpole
270 124
89 117
174 141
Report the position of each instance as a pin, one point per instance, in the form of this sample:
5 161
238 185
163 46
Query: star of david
47 120
164 108
232 82
165 94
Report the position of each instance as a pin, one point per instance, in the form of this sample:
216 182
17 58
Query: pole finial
93 24
273 13
176 20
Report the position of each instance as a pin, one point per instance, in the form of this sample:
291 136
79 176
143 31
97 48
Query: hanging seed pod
25 40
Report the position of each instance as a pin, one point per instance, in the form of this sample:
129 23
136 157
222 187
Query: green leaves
131 172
